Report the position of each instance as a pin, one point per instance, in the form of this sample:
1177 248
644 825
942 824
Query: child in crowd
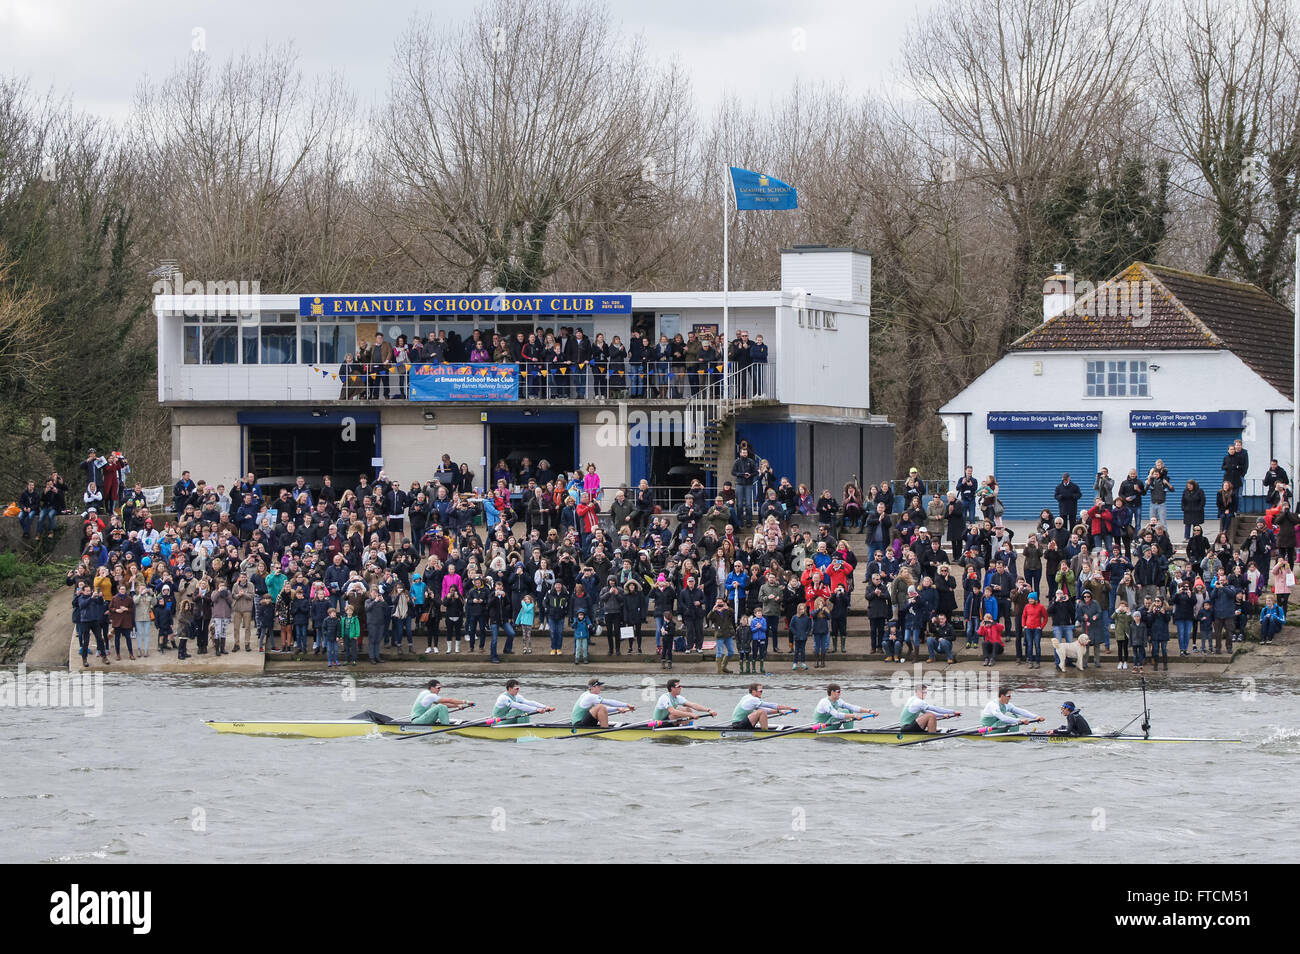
1123 623
350 631
330 629
1240 614
800 630
668 633
265 620
1271 619
581 639
991 637
1139 635
1205 626
525 620
756 626
745 645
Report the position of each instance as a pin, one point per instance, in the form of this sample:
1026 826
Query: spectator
1158 487
1067 497
1226 501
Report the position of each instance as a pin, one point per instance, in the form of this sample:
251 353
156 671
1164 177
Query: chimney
1058 293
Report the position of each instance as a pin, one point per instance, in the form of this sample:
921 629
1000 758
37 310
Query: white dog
1067 651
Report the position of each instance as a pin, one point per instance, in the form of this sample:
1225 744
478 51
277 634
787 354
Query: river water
147 781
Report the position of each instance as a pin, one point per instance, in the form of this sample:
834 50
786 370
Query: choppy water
147 781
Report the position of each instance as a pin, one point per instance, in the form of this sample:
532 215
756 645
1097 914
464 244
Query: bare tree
238 155
1022 88
1229 73
534 114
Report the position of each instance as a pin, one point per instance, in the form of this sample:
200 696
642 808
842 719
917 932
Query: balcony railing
654 380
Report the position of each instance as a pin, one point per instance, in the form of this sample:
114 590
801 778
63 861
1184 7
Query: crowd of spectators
375 567
561 363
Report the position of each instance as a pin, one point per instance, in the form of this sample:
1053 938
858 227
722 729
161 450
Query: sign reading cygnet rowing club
1044 421
326 306
1153 420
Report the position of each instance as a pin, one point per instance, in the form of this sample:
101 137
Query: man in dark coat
1067 497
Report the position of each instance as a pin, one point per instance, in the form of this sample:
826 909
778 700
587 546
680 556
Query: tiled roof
1154 307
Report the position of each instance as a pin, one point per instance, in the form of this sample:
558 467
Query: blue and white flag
757 191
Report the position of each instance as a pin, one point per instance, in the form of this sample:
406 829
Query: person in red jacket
990 633
1032 621
588 512
814 589
112 487
839 574
1100 523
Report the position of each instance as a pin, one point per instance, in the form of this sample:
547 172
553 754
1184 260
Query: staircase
708 413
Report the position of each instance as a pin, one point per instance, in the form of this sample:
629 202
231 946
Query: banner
1044 420
1219 420
464 382
349 306
757 191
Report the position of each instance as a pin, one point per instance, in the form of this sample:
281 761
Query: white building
1155 363
261 391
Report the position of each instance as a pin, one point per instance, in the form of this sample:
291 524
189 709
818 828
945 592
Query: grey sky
96 52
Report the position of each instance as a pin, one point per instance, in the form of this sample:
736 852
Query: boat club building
1155 363
259 388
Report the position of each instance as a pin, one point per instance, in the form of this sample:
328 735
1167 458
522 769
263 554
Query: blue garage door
1189 454
1028 466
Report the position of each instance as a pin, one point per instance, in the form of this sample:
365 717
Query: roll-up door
1189 454
1028 466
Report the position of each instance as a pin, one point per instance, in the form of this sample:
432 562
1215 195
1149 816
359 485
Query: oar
955 734
851 727
1146 713
789 730
648 724
448 728
674 728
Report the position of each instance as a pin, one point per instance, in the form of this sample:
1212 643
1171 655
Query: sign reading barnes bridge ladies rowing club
1044 420
330 306
464 382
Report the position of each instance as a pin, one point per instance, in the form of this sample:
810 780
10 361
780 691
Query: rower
1075 723
919 716
593 709
751 711
672 707
431 709
513 709
834 713
1001 716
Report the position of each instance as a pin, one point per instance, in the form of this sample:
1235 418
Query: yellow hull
344 728
326 729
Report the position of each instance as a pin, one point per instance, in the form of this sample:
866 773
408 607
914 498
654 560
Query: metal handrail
652 380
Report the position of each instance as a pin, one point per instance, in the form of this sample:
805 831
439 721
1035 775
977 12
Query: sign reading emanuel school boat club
1044 421
327 306
464 382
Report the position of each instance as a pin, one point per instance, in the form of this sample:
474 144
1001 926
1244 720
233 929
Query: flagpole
1295 378
726 323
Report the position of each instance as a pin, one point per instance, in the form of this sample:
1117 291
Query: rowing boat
323 729
342 728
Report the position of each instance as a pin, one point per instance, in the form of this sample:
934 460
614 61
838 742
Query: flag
757 191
